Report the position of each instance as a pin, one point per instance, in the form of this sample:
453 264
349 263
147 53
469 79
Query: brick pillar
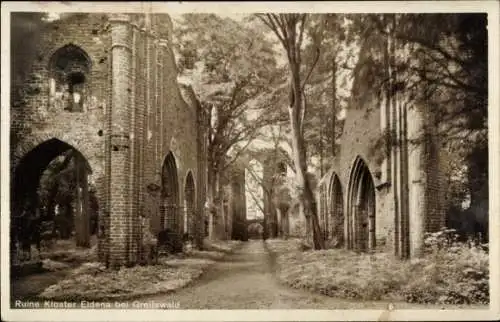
156 101
371 213
405 215
163 68
120 140
134 223
151 172
436 218
140 108
189 208
201 173
401 184
417 181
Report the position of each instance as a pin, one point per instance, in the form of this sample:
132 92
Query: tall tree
271 183
230 66
329 84
290 30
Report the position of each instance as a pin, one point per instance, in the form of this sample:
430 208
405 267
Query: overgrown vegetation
91 281
450 272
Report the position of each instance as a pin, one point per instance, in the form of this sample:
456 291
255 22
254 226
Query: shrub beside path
90 281
448 274
248 277
245 279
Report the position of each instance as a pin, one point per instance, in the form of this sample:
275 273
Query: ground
245 280
70 273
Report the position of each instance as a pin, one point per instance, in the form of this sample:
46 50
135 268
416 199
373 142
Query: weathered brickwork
236 204
387 151
133 116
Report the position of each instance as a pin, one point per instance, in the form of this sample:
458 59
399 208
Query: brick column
120 140
436 218
404 205
162 67
416 174
201 173
133 232
156 101
141 114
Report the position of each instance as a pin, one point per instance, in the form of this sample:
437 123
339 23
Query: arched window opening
70 70
170 217
189 204
76 83
336 210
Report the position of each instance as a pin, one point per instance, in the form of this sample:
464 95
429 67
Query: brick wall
133 117
409 183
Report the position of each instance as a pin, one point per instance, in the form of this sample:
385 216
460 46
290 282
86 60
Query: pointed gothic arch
170 215
69 70
361 208
189 204
38 192
336 211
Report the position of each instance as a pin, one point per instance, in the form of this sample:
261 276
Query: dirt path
244 280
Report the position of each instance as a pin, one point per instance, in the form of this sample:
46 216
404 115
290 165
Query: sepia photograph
176 158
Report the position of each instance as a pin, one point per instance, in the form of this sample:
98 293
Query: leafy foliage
233 71
291 30
58 186
438 61
330 83
451 272
230 66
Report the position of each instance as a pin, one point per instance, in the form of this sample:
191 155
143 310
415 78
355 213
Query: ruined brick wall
42 115
236 203
396 139
362 132
133 116
38 111
163 125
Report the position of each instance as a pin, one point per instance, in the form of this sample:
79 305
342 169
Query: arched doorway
51 199
170 217
361 207
189 204
336 209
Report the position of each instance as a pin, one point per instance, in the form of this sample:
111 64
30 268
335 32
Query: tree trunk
321 148
220 222
306 195
78 221
334 106
210 202
85 208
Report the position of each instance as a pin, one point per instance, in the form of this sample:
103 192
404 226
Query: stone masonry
128 121
385 188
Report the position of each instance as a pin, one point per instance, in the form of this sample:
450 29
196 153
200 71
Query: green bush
456 272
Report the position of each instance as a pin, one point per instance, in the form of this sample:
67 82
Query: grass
66 251
453 274
92 281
